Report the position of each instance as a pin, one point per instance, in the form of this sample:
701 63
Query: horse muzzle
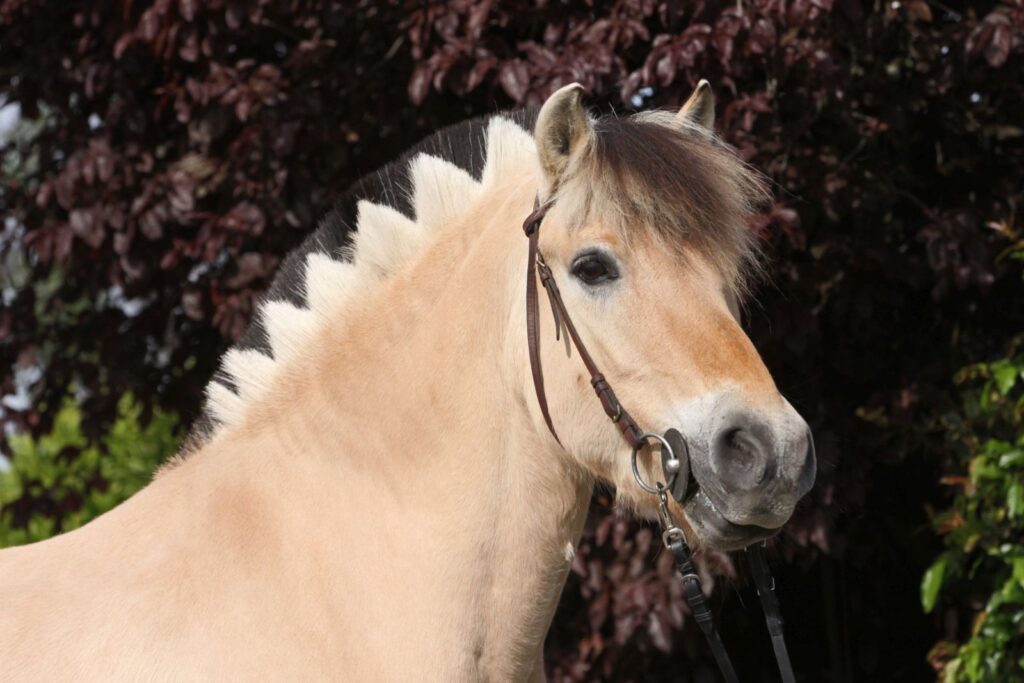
740 479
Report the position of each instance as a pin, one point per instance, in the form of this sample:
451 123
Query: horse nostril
753 470
741 449
742 443
740 455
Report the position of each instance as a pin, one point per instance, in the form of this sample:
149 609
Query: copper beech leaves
998 35
175 150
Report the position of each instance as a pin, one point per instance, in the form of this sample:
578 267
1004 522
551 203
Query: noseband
675 464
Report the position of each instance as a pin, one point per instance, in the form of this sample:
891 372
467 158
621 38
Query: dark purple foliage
189 144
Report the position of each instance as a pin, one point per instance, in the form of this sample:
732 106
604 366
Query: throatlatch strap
699 606
770 605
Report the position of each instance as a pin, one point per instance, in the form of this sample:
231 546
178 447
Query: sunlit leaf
1005 374
931 583
1015 500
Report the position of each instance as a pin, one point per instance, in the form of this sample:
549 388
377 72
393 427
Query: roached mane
685 188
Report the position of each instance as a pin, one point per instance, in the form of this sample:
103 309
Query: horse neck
414 415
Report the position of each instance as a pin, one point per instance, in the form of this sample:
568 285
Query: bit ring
658 487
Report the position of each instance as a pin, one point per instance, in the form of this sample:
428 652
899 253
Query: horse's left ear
562 129
699 111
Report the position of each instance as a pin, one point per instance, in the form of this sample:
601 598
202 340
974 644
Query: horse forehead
565 235
598 233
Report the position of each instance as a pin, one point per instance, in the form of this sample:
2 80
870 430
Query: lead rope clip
670 531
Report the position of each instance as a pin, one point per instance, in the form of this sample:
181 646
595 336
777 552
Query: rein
676 469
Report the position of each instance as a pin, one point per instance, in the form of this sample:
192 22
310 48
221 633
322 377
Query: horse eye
594 268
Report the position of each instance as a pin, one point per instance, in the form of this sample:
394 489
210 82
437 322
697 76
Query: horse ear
563 127
699 111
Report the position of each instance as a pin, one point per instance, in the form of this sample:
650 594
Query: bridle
674 456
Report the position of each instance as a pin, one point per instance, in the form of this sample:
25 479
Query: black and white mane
251 360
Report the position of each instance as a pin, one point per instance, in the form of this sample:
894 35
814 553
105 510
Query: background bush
60 480
171 151
983 529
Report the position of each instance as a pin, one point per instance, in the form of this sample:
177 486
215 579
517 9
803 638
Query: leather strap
770 605
628 428
532 228
699 607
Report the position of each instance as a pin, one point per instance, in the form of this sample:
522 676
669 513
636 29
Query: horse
373 492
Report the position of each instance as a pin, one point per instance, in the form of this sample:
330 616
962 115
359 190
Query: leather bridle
631 433
675 460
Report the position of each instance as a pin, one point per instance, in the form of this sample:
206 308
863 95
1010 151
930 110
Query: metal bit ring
658 487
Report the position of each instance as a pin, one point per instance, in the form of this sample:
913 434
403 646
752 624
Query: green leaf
1005 374
952 670
972 665
1018 569
932 582
1015 500
1012 459
983 468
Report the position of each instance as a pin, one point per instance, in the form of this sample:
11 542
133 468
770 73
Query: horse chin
714 531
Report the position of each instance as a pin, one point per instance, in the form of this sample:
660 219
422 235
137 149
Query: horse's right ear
698 112
563 128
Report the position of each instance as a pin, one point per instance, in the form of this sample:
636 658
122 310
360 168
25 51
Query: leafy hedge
60 480
983 530
174 150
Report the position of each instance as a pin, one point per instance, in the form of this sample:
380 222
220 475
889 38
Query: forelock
646 176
